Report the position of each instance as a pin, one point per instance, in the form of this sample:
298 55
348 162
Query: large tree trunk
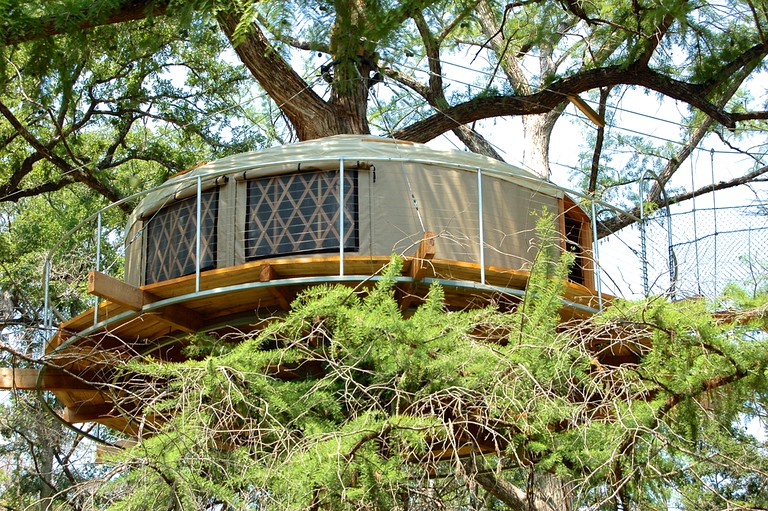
355 62
537 133
310 115
537 129
349 96
43 453
553 490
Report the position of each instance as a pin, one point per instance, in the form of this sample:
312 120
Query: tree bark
537 133
520 500
309 114
128 10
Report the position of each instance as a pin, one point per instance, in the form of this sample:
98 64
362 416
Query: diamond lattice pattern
171 238
299 213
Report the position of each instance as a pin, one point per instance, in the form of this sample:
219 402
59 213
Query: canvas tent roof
325 153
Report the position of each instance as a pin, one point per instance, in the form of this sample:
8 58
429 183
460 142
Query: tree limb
549 98
307 111
69 170
90 17
595 168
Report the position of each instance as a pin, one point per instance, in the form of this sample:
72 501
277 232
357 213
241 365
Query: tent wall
396 203
410 199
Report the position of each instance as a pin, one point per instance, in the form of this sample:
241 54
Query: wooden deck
88 350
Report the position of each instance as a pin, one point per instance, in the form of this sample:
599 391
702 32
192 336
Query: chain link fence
709 249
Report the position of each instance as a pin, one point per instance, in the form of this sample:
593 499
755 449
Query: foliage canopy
348 403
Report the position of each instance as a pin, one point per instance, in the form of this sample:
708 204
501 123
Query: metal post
670 248
96 299
671 257
596 259
198 230
341 217
98 241
480 223
714 213
47 317
643 247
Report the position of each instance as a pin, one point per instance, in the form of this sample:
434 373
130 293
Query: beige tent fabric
324 154
404 189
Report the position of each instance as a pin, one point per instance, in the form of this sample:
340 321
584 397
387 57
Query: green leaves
347 402
346 398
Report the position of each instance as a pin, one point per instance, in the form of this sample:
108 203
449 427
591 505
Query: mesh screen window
171 240
299 213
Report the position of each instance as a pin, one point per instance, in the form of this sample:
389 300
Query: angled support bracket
416 268
134 298
266 274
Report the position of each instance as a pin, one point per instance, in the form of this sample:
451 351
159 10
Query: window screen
573 243
299 213
171 238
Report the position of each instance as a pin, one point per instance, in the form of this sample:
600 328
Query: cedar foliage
348 403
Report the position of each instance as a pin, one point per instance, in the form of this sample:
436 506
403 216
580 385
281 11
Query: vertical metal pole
198 230
643 248
98 266
671 257
714 213
47 317
596 259
643 242
480 223
98 242
341 217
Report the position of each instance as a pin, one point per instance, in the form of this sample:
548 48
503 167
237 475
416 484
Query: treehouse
228 244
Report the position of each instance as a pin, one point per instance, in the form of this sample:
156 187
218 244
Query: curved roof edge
339 146
355 147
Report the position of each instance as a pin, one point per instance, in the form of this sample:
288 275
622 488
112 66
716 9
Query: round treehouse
230 243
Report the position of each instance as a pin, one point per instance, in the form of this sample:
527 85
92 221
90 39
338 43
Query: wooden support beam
181 317
116 291
88 412
105 452
587 110
134 298
416 268
424 253
53 379
266 274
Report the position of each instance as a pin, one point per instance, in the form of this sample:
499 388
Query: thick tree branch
77 173
503 490
16 194
507 58
91 17
12 185
511 495
598 150
434 92
549 98
749 116
308 112
697 135
749 59
654 40
432 50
